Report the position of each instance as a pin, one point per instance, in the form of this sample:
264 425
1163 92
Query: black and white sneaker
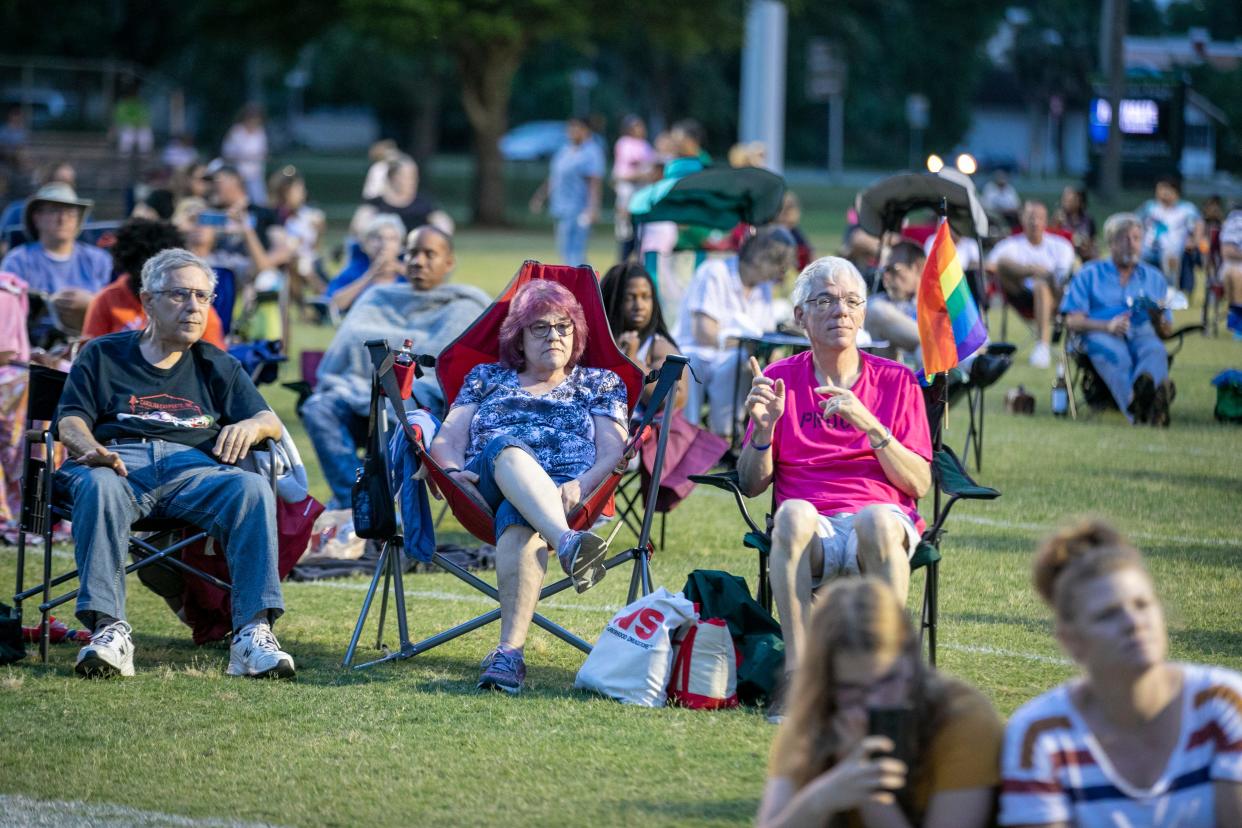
110 653
256 653
582 557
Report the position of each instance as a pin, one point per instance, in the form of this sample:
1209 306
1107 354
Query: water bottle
405 356
1060 392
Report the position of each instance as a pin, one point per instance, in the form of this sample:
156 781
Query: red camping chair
478 344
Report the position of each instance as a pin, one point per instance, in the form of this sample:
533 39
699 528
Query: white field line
438 595
1228 543
24 812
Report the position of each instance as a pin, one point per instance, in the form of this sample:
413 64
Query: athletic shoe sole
492 684
587 568
93 667
282 670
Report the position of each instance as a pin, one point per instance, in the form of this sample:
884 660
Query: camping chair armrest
954 481
1178 337
728 482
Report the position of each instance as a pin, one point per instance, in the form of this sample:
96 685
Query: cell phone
211 218
897 723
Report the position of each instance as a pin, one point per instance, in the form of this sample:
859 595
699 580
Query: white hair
159 267
382 220
1118 222
828 268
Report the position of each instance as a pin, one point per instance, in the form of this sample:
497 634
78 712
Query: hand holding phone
212 218
897 725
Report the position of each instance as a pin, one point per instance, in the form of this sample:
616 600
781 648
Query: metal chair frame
390 567
41 511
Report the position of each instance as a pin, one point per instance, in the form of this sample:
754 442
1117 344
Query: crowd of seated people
838 434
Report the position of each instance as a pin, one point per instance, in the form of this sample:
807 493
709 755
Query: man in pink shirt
843 436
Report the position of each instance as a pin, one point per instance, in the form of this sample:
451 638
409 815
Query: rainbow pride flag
950 326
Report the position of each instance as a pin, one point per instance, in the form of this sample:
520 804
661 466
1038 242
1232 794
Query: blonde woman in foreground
1136 740
862 675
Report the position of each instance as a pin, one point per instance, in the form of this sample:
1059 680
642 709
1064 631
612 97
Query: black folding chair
43 506
951 483
1085 380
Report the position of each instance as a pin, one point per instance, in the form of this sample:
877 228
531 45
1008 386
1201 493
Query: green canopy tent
717 197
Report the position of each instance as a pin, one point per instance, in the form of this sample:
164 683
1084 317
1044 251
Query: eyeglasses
543 330
182 295
825 302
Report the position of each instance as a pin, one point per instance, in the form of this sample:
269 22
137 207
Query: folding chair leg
931 600
383 616
763 590
384 568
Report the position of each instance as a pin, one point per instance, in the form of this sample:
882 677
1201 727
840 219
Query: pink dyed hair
533 300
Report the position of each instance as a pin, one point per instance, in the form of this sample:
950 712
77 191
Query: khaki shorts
840 544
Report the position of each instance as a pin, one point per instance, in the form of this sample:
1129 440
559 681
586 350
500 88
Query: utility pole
1116 17
763 79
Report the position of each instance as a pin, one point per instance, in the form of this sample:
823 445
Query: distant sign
826 73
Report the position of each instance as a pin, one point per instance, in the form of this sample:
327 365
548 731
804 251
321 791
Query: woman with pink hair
530 436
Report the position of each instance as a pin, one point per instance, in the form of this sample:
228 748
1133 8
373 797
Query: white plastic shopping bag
631 661
704 667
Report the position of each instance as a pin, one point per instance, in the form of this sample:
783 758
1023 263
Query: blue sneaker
503 669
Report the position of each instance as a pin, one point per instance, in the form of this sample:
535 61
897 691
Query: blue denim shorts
483 464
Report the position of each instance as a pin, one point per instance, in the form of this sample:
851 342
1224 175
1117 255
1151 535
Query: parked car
533 141
47 106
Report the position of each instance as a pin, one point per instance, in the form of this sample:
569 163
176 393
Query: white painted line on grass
441 595
1000 652
438 595
1228 543
25 812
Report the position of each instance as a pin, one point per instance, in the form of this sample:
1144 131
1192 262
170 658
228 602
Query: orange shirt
116 308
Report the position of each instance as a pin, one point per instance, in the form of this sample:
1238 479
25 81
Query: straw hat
56 192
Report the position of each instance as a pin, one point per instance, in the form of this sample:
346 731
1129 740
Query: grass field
414 743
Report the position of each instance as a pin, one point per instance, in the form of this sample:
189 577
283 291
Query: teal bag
756 634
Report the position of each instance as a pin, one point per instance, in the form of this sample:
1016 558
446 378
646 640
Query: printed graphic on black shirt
166 409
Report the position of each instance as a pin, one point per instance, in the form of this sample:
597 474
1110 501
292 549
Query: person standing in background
633 159
245 147
573 191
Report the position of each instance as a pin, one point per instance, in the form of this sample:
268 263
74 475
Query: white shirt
967 251
1231 230
1053 253
717 291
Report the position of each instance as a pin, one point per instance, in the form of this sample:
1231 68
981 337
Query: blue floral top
557 425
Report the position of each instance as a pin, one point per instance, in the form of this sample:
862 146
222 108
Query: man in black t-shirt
153 422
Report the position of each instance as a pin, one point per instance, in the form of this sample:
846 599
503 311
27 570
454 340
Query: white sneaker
110 653
1178 300
255 652
1041 355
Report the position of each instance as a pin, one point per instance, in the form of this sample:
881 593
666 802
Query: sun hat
57 192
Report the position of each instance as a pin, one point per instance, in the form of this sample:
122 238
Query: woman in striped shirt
1136 740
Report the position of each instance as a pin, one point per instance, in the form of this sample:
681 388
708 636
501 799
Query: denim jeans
484 465
328 419
169 480
571 241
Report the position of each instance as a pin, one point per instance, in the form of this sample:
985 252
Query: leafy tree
489 40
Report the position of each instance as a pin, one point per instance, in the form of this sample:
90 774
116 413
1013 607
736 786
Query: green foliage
893 49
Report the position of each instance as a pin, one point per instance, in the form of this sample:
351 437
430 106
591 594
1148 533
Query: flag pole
942 379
